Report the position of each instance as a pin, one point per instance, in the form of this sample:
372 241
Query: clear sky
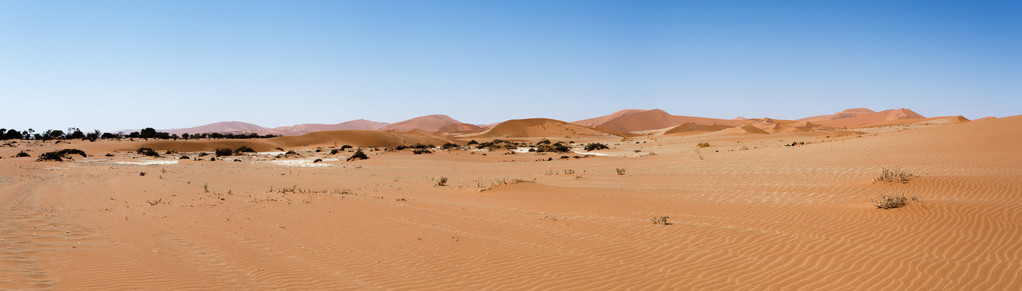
169 64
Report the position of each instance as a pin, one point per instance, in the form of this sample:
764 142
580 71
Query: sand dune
747 212
430 123
300 129
631 120
689 127
542 127
219 127
870 118
460 128
367 138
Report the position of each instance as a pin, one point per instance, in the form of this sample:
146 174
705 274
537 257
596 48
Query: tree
147 133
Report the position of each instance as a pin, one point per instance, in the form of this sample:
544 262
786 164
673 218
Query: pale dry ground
770 217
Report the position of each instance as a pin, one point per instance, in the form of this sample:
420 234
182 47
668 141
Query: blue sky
169 64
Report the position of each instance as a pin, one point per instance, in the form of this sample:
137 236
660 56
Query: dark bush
147 152
421 151
22 154
596 146
203 154
556 148
472 142
317 160
59 155
344 147
358 155
400 147
334 151
244 149
224 152
291 153
184 157
545 141
448 146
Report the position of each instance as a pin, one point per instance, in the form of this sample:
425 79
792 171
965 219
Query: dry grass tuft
660 220
893 201
894 176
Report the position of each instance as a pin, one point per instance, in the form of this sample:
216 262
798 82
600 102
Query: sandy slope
430 123
632 120
542 127
747 213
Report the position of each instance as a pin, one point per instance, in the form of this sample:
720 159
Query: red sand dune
745 213
368 138
461 128
870 118
300 129
541 127
431 123
689 127
220 127
631 120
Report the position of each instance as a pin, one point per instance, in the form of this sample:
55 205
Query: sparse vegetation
595 146
60 155
894 176
317 160
421 151
345 147
660 220
498 182
147 152
223 152
22 154
703 145
620 171
358 155
244 149
442 181
889 202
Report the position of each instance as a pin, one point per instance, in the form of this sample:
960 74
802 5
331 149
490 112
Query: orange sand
746 213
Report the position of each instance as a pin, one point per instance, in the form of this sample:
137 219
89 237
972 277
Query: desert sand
748 211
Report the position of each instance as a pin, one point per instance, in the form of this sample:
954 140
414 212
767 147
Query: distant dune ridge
624 123
542 127
237 127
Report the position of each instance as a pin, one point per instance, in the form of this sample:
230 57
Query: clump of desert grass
481 186
660 220
894 176
893 201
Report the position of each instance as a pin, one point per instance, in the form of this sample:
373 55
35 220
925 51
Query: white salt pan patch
150 162
592 154
304 163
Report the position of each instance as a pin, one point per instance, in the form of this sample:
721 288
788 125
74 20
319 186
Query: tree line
146 133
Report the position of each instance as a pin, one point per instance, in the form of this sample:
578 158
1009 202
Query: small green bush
703 144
